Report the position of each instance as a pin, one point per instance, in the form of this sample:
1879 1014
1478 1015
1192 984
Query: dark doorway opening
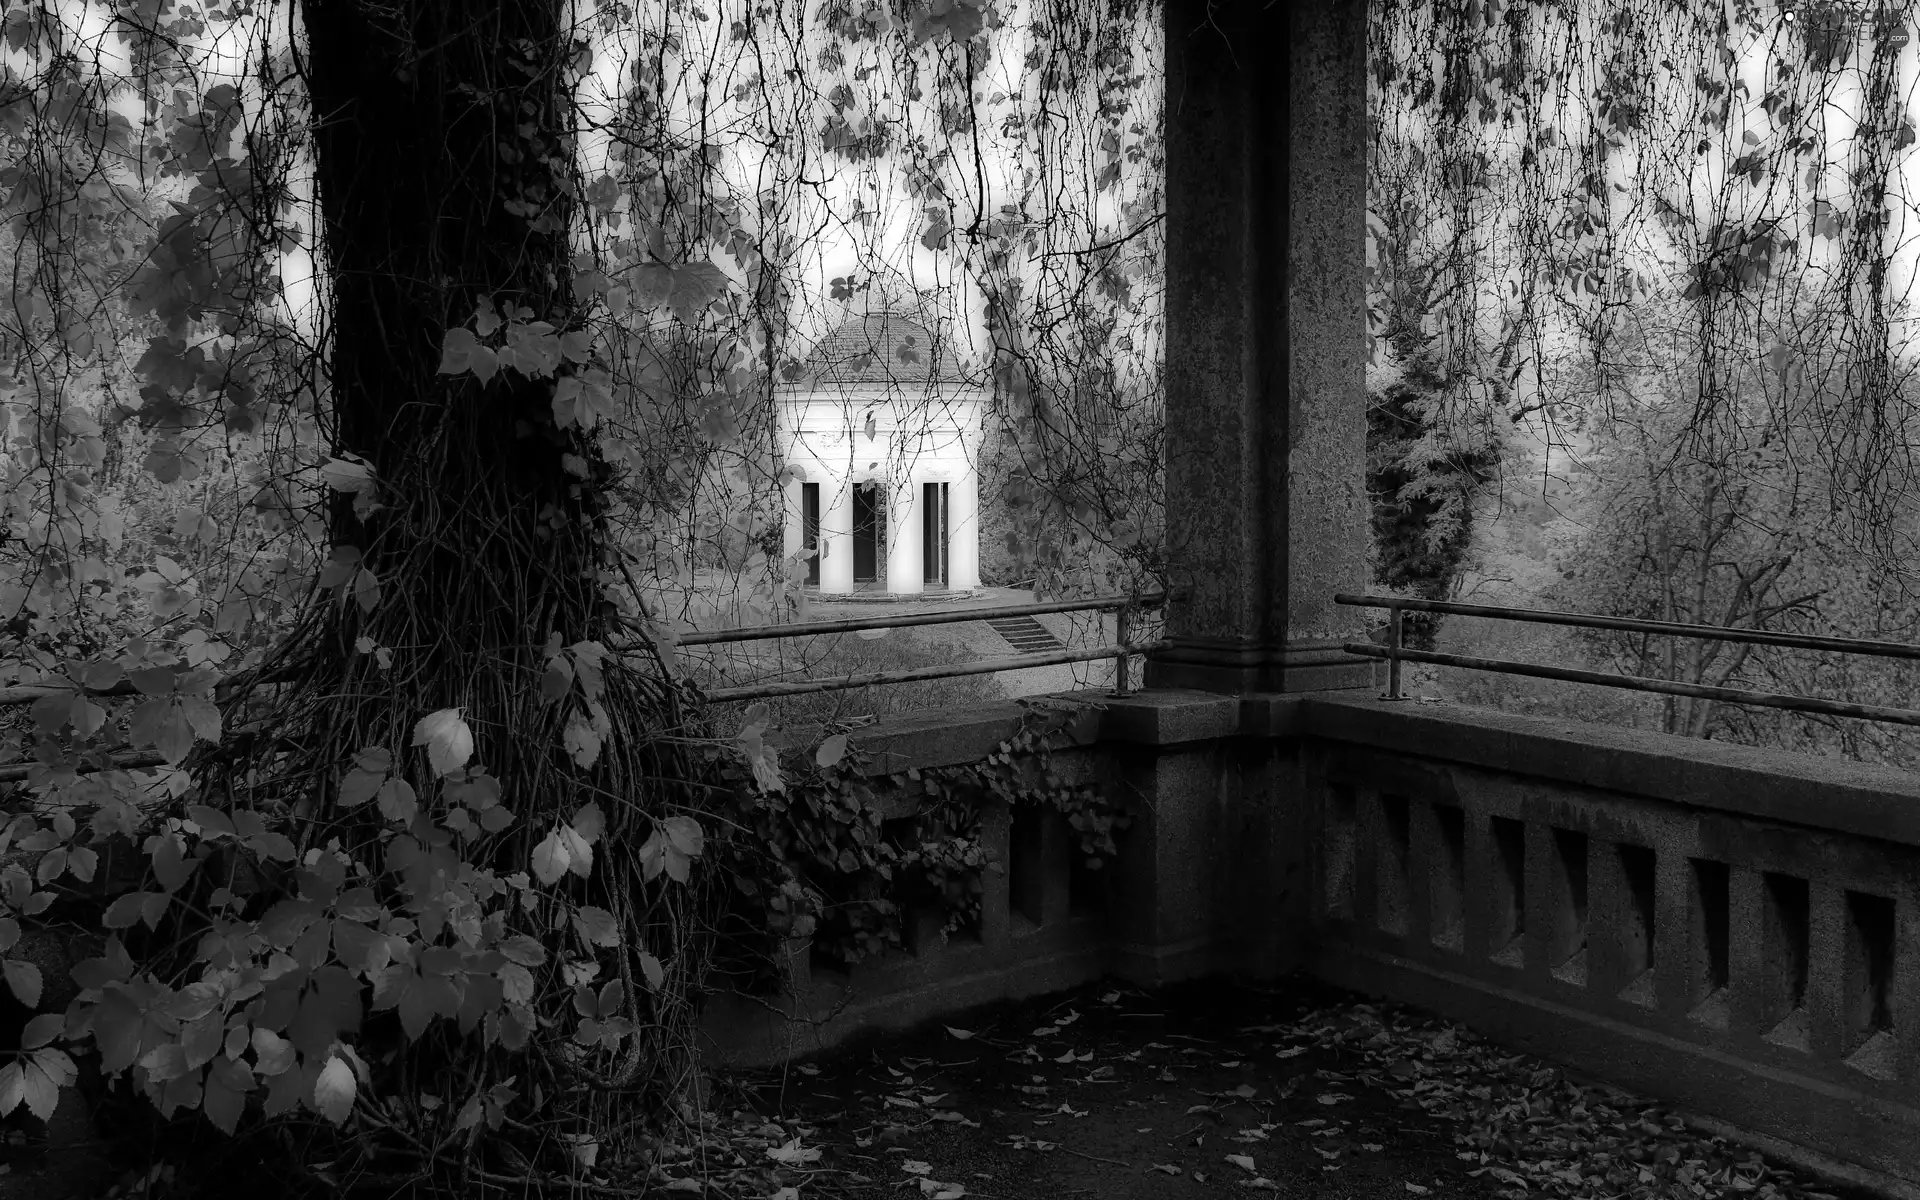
810 528
933 517
866 532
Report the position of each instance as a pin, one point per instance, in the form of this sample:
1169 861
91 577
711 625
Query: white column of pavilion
922 432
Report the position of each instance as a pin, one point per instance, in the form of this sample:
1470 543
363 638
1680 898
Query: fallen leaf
1243 1161
1416 1189
960 1034
792 1154
1291 1052
914 1166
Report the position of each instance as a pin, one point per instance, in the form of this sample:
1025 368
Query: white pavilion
880 434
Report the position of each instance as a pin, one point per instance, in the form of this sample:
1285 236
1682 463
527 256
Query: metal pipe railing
754 633
1396 651
1124 608
983 666
1640 683
1723 633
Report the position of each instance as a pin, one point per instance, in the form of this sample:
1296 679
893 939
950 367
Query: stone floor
1214 1089
1209 1090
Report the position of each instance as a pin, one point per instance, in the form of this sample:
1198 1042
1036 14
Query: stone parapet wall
1730 929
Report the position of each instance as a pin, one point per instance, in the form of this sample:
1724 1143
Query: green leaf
272 1053
124 912
13 1086
550 858
398 801
359 787
366 590
227 1087
50 712
171 866
448 739
526 951
175 737
276 847
656 974
212 821
42 1030
153 681
484 363
581 739
831 751
558 680
516 984
203 716
597 926
333 1091
456 352
359 948
589 823
684 832
23 979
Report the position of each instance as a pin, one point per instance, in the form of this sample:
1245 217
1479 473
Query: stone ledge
1823 793
951 737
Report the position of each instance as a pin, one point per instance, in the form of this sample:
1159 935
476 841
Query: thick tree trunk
431 119
442 169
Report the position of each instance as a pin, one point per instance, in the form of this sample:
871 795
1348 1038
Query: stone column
906 569
836 536
1265 344
793 534
963 529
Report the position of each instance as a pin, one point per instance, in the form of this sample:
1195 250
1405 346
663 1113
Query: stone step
1025 634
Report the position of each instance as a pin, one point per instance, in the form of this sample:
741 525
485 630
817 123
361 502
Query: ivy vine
844 858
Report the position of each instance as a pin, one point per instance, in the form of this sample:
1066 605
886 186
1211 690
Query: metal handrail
1121 652
956 616
1724 633
982 666
1395 652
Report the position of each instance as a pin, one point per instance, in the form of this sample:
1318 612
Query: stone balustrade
1728 929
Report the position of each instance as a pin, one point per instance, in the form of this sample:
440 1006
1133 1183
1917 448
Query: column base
1219 665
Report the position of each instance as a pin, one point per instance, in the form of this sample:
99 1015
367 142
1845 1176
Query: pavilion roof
884 349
